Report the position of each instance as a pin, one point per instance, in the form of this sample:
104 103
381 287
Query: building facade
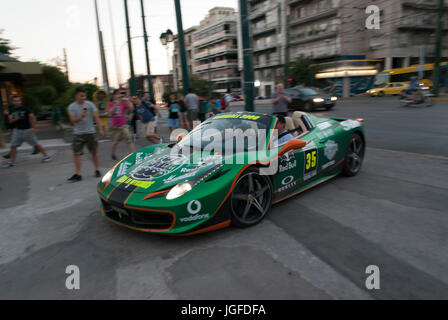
268 31
334 33
177 67
215 50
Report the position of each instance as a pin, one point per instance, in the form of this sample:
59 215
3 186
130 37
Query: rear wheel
251 198
354 156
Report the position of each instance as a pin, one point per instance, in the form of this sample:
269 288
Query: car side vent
217 175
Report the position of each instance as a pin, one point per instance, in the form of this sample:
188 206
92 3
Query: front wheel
251 199
354 156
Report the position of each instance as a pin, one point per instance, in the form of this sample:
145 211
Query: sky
41 29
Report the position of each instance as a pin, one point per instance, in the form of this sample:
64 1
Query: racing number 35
310 160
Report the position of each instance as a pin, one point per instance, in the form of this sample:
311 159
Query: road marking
411 153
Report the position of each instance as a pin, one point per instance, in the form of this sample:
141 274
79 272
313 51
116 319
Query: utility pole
247 60
102 54
148 69
133 83
66 65
112 29
436 74
183 55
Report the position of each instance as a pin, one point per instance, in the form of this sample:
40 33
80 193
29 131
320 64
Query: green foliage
200 87
52 76
5 45
303 72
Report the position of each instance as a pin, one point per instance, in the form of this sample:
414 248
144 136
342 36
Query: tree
199 86
5 45
303 72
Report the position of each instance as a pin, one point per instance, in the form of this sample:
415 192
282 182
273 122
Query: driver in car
283 135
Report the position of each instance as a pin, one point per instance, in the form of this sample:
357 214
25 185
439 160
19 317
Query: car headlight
318 100
107 176
178 190
334 98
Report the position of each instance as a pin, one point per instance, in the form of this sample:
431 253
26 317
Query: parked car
308 99
391 88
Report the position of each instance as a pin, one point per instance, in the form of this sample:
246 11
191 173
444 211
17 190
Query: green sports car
229 170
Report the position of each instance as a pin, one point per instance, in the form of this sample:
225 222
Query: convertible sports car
186 188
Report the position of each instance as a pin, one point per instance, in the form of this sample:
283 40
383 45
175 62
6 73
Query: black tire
381 94
354 156
308 107
329 107
251 198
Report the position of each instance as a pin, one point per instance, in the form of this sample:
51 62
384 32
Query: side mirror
292 144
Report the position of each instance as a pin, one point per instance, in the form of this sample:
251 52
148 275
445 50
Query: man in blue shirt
283 134
147 117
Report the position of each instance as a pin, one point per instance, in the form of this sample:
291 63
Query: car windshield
308 92
242 131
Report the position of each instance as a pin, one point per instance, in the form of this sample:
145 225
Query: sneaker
75 178
7 156
114 157
8 165
161 140
46 159
97 174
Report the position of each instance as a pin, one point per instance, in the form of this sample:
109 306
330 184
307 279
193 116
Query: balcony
264 47
271 63
217 37
296 21
268 27
261 9
418 4
419 22
215 52
223 64
322 36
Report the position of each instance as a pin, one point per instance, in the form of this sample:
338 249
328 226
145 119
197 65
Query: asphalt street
313 246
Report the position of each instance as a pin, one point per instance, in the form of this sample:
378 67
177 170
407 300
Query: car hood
163 169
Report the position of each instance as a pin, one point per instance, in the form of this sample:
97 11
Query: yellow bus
405 74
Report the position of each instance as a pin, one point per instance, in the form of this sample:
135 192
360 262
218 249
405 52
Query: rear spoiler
344 119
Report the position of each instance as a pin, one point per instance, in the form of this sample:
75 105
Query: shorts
20 136
191 115
173 123
121 133
79 140
148 129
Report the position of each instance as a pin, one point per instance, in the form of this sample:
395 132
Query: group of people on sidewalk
124 112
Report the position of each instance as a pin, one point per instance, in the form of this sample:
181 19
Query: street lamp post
148 69
133 82
180 38
166 38
247 62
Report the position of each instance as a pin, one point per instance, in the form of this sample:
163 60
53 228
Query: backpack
222 102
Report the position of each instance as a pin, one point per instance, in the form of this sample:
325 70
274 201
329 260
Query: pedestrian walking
182 111
226 100
24 122
147 117
10 126
280 101
82 115
174 109
192 103
147 98
118 109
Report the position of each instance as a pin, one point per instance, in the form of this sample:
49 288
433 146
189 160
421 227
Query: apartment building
268 31
215 51
334 33
177 67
